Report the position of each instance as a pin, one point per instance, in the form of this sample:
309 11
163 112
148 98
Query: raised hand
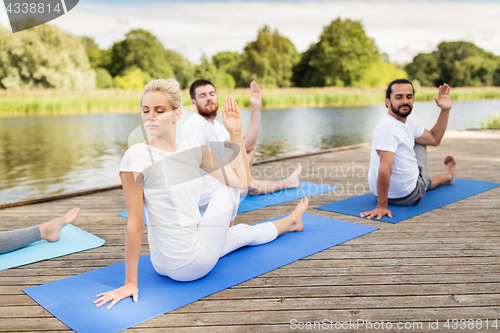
255 97
117 295
443 100
231 115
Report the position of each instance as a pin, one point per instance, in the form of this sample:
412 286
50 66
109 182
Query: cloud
400 28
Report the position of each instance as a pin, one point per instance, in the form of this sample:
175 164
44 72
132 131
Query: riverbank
61 102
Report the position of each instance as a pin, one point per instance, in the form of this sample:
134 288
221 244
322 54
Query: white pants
217 239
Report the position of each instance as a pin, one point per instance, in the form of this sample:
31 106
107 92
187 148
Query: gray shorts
424 182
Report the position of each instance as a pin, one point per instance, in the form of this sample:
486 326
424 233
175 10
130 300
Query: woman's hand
231 116
129 289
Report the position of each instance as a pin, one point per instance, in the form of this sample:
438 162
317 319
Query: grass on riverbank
57 102
492 122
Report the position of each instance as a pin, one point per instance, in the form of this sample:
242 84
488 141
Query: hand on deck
231 115
443 100
379 212
255 97
117 295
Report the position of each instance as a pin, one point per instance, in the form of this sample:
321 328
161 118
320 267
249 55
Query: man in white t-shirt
202 126
398 161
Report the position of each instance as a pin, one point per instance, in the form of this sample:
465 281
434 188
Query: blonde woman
162 176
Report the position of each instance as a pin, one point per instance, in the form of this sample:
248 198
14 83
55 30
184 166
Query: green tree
341 57
207 70
380 74
183 69
229 63
223 59
456 63
103 79
97 57
43 57
425 68
134 79
269 60
140 49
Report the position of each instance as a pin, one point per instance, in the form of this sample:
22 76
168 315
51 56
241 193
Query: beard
402 113
208 111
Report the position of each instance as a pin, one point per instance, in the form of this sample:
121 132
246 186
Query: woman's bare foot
449 168
293 222
293 180
297 214
51 230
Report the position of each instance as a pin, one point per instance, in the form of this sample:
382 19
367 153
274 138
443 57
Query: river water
43 155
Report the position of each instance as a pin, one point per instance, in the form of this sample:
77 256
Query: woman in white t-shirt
162 177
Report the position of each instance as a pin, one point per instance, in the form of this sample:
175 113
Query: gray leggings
16 239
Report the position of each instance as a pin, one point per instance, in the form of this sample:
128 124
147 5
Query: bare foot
297 214
293 180
52 230
449 168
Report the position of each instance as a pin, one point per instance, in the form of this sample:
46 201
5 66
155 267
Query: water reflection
46 155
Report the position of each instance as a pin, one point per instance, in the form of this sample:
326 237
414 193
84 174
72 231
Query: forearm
383 183
132 253
440 127
240 159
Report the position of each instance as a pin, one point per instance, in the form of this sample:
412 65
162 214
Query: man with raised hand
202 126
398 161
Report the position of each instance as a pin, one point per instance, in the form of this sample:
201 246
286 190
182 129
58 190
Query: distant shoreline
67 102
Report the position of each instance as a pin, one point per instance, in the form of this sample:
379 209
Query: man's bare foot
293 180
297 214
449 168
51 230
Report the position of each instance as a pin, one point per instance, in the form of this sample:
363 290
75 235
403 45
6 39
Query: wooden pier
438 266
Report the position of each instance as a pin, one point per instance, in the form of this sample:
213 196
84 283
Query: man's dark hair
388 92
196 84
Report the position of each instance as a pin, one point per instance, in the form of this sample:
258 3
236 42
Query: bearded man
203 127
398 161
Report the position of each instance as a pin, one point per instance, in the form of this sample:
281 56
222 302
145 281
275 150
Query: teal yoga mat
254 202
441 196
158 294
73 239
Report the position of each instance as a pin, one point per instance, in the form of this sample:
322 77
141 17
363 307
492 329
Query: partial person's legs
267 186
212 232
245 235
17 239
421 155
447 178
50 231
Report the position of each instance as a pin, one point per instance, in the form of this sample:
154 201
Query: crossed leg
217 239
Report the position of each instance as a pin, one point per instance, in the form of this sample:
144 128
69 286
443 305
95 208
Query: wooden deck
441 265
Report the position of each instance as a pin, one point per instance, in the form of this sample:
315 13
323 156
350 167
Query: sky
400 28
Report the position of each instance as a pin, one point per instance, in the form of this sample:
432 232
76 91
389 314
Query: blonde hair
170 88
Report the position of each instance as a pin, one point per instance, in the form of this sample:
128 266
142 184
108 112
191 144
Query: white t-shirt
172 187
214 137
395 136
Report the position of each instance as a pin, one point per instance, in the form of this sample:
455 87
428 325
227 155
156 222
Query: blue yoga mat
70 299
441 196
72 240
254 202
